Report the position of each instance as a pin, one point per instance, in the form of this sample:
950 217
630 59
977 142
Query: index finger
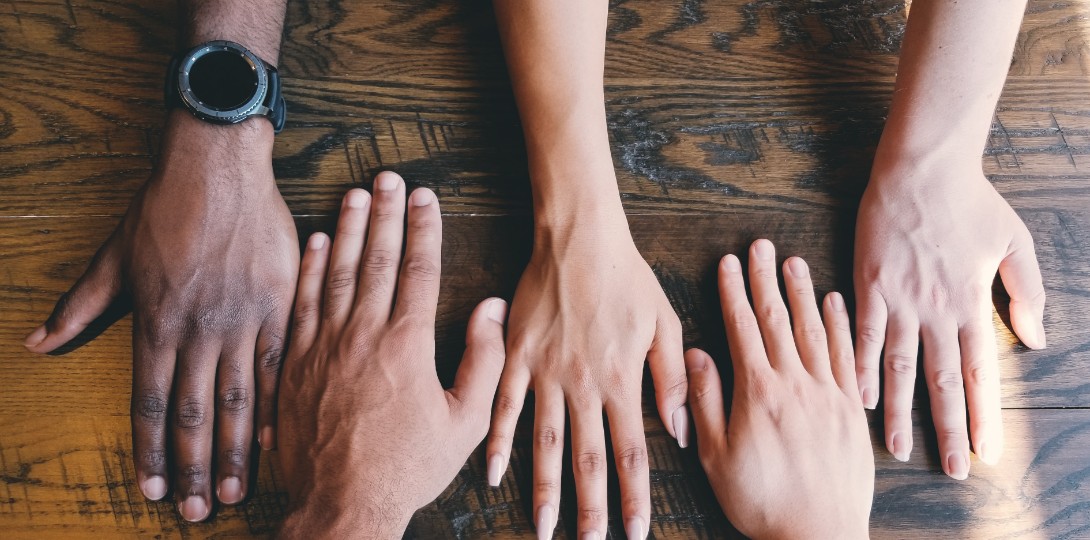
418 284
747 351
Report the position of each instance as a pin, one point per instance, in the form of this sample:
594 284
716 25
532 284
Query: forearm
555 53
954 60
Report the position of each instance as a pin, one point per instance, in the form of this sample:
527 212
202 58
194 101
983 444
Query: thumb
1022 279
82 304
479 375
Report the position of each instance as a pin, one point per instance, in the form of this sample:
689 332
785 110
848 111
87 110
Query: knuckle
901 364
632 459
507 406
703 398
305 314
234 456
194 474
236 399
811 333
271 357
545 488
191 413
761 390
548 438
773 314
420 268
870 334
592 514
341 279
676 389
590 463
150 407
153 458
741 319
947 381
379 260
979 373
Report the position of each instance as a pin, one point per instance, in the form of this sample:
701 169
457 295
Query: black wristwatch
223 82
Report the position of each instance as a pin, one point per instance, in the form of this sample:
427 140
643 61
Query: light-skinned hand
368 435
794 460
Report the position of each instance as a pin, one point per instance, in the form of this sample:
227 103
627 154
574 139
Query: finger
479 374
772 318
870 333
979 363
194 389
630 454
747 351
809 331
706 401
306 320
902 348
344 263
92 293
589 464
418 285
509 400
382 256
841 355
942 369
234 420
548 458
267 364
1022 279
152 378
667 361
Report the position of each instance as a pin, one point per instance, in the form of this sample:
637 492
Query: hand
928 242
208 254
586 314
367 433
795 460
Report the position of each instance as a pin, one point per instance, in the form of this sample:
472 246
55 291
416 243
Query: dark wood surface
730 120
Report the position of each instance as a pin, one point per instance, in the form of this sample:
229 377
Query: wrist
239 152
338 514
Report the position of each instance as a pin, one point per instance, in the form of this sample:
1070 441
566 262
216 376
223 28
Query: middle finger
774 322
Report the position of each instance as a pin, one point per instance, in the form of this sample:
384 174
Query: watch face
223 79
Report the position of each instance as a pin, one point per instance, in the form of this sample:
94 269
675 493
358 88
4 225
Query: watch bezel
233 116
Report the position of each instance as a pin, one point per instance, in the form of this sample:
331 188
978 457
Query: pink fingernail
193 508
590 535
317 241
957 467
546 522
387 181
731 264
764 250
36 337
680 419
267 438
634 529
356 198
798 267
497 310
154 487
422 197
900 446
230 490
870 399
496 466
836 301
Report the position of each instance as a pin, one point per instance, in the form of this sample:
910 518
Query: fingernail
267 438
957 467
731 264
870 400
633 528
546 522
900 446
696 362
1040 336
680 418
836 301
798 267
422 197
764 250
230 490
317 241
497 310
496 465
982 453
386 181
356 198
154 487
590 535
36 337
193 508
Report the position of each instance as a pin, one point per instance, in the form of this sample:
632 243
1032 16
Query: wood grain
730 120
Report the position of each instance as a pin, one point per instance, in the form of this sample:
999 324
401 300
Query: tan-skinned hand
795 459
928 244
587 314
368 435
208 255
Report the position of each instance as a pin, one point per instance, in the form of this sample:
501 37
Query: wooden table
730 120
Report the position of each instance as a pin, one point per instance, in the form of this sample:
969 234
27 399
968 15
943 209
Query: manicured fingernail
230 490
798 267
356 198
1039 343
386 181
422 197
870 399
900 446
193 508
267 438
36 337
680 418
590 535
764 250
731 264
497 310
154 487
546 522
497 463
633 528
317 241
957 466
836 301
